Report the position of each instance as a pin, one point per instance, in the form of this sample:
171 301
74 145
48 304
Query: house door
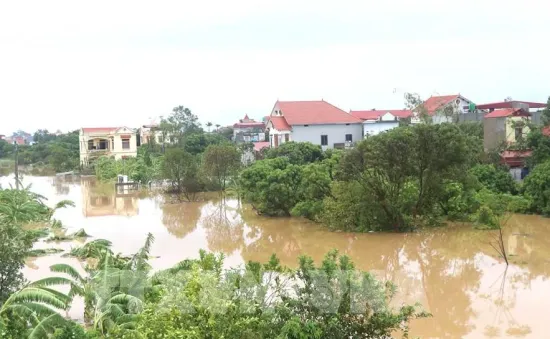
287 137
276 137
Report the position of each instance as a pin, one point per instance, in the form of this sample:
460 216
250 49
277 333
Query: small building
377 121
447 108
317 122
119 142
504 126
248 130
2 137
151 134
534 108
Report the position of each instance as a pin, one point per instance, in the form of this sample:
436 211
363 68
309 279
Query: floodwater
452 271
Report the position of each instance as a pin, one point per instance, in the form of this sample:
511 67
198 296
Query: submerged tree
221 162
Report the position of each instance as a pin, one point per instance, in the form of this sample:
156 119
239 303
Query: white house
444 108
377 121
317 122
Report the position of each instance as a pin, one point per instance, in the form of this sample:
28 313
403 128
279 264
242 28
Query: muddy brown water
452 271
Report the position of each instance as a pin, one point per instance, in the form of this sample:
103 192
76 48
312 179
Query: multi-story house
248 130
119 142
317 122
377 121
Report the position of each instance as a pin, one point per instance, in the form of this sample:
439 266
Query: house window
102 144
287 137
349 137
160 139
90 144
125 143
519 132
324 140
306 125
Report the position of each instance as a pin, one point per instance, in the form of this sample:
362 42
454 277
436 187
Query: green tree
536 186
180 122
494 179
404 171
14 247
540 146
271 185
221 162
196 143
182 170
545 115
298 153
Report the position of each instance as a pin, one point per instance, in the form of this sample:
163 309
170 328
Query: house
504 126
120 142
248 130
2 137
17 139
317 122
447 108
377 121
151 134
534 108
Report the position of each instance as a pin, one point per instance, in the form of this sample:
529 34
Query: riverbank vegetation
405 178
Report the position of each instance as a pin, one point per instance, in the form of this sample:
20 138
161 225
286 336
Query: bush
494 179
536 187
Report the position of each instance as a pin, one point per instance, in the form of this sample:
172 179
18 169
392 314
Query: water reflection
451 271
100 199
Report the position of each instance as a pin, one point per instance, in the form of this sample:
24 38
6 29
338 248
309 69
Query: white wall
375 128
336 133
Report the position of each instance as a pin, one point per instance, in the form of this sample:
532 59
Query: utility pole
16 165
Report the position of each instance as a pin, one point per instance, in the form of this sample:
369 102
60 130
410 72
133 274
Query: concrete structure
119 142
504 126
317 122
248 130
377 121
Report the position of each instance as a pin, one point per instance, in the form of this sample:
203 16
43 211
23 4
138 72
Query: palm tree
39 306
109 290
209 124
79 285
217 127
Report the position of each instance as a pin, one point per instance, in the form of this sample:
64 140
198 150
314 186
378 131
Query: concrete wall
510 130
374 128
494 132
336 133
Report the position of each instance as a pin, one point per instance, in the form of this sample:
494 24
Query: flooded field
453 271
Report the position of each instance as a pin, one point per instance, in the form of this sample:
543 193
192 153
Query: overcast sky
68 64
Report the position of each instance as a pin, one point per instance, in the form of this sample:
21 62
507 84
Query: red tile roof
501 113
258 146
515 158
546 131
99 129
280 123
375 114
434 103
314 112
509 104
